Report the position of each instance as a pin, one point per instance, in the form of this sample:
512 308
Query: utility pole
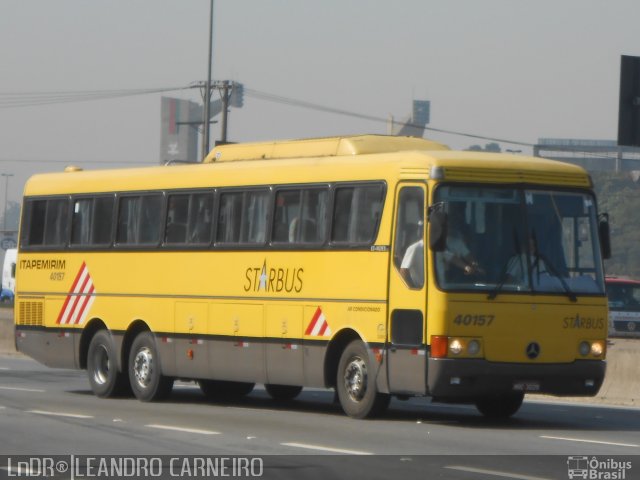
207 96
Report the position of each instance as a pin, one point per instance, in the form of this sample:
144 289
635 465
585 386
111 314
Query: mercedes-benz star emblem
533 350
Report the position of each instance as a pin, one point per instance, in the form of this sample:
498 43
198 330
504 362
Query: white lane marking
326 449
182 429
59 414
495 473
20 389
583 440
4 368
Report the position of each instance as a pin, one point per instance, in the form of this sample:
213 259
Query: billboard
180 123
629 106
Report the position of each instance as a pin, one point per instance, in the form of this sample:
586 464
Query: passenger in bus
308 232
528 260
412 266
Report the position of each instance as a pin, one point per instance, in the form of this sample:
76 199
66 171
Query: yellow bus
379 266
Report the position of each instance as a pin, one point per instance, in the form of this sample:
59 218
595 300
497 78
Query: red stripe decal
315 318
84 304
73 287
77 298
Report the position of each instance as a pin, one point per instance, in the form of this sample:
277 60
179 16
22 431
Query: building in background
415 124
593 155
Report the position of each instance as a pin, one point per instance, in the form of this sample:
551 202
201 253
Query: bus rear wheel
356 385
282 393
500 407
102 367
147 382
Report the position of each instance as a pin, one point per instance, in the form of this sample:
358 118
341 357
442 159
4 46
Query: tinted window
46 222
300 216
92 220
243 216
139 220
356 214
189 219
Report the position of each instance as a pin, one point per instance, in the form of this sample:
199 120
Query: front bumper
469 378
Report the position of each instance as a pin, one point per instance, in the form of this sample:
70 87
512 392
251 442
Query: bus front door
406 350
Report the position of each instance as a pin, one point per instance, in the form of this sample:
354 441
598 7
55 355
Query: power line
314 106
83 162
30 99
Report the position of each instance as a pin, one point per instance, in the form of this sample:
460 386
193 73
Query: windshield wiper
554 272
502 279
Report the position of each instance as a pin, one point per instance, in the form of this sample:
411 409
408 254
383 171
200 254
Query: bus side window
55 230
35 213
285 219
356 214
408 250
139 219
200 218
102 221
177 215
254 217
81 221
229 217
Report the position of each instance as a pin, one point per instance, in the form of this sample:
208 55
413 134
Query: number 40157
473 320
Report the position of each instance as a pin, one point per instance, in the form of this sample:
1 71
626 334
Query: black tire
102 367
500 407
225 390
356 386
282 393
145 376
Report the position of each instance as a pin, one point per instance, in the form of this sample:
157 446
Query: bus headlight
597 349
591 348
584 348
455 346
465 347
473 348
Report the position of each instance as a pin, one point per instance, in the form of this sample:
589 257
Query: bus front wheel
356 384
102 367
147 382
500 407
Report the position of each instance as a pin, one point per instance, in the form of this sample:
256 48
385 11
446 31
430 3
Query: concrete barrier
621 385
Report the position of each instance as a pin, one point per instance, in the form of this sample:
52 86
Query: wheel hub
355 379
143 367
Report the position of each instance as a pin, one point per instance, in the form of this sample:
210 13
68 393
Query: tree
13 216
619 196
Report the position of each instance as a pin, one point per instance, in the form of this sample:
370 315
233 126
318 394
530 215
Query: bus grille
30 313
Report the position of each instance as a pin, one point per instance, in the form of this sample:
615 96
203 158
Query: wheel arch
336 346
92 327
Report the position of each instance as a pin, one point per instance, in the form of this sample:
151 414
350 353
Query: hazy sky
511 69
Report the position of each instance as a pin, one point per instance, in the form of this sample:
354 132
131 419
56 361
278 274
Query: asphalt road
47 411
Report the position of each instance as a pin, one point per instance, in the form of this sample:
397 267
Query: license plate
527 386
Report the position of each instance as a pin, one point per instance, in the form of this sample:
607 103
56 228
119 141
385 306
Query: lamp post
6 191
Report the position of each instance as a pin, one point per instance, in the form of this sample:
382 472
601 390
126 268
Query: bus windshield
510 239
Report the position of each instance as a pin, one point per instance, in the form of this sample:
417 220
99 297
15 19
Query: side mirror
438 232
605 235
